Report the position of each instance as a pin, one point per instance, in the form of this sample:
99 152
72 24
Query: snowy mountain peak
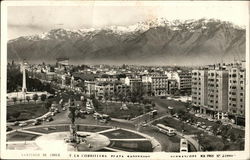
191 25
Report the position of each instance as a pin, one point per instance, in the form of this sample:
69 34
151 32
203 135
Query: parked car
83 111
39 120
103 120
36 123
198 124
211 119
169 107
197 115
204 127
16 123
209 128
105 116
23 124
57 110
176 115
144 124
96 115
49 119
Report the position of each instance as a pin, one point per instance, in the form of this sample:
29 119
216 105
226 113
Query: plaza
99 138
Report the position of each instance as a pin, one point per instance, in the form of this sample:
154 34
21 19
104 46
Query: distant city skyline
30 20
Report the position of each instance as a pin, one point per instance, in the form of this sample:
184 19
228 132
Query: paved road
168 143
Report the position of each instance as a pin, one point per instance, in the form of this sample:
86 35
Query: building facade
199 89
236 90
218 92
104 90
159 85
89 87
183 79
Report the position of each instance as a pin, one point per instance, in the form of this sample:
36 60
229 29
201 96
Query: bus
183 145
167 130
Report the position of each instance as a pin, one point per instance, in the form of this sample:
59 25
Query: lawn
113 109
20 112
177 106
64 128
121 134
136 146
50 129
21 136
91 128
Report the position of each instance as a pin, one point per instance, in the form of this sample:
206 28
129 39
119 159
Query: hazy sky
28 20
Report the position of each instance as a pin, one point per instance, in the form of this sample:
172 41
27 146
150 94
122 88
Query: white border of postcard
7 154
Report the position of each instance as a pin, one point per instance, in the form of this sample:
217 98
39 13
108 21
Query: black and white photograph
125 79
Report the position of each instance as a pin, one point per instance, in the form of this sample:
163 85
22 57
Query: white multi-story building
218 92
199 89
159 85
236 89
183 79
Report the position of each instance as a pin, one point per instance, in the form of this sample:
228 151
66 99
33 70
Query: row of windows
234 105
234 87
234 111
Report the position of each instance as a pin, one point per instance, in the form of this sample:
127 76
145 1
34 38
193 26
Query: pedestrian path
108 130
31 132
155 144
132 139
121 120
112 149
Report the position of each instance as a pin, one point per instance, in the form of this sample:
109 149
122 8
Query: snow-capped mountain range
154 39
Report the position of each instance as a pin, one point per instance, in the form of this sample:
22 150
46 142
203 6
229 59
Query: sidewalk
121 120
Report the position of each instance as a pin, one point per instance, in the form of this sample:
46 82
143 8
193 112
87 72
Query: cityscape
126 108
128 77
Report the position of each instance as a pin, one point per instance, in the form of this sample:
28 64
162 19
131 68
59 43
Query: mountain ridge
153 42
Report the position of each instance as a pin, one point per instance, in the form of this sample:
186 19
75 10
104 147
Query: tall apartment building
218 92
199 89
236 89
135 84
183 79
147 88
123 89
160 85
103 89
171 86
89 87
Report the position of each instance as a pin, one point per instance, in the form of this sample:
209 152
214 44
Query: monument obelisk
24 89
